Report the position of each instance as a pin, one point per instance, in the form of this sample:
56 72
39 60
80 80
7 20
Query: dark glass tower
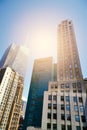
42 74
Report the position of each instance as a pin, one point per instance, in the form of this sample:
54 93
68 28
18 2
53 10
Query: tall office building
16 57
65 105
41 75
68 59
11 87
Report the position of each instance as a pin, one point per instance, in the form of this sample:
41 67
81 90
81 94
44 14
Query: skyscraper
11 87
16 57
41 75
65 105
68 59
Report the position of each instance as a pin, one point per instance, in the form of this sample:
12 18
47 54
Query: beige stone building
11 87
65 105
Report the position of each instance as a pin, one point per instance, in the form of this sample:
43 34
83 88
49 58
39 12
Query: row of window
67 107
68 117
67 98
63 127
74 85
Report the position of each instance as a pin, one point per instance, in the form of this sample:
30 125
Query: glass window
69 127
49 105
67 98
56 86
78 128
62 117
62 85
75 107
49 115
74 91
63 127
79 91
75 99
54 126
83 118
48 125
54 116
50 97
84 127
68 107
68 117
74 85
62 98
52 86
54 97
77 118
81 108
62 107
54 106
80 99
78 84
67 85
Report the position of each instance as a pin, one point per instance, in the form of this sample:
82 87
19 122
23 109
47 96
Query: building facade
65 105
68 59
16 57
41 75
11 87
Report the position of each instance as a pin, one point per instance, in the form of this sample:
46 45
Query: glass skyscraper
16 57
41 75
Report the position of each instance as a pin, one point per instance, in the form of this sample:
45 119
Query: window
85 128
49 105
52 87
75 107
67 98
68 117
79 91
68 107
54 126
54 116
80 99
62 98
75 99
50 97
63 127
48 125
56 86
69 127
81 108
49 115
83 118
74 91
62 85
62 117
62 107
54 106
54 97
78 84
77 118
67 85
74 85
78 128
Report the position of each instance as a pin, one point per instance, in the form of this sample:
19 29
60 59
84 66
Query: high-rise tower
68 59
11 87
41 75
16 57
65 103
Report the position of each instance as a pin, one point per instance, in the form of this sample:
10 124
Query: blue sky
34 23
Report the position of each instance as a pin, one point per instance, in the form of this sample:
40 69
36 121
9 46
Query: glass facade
42 74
